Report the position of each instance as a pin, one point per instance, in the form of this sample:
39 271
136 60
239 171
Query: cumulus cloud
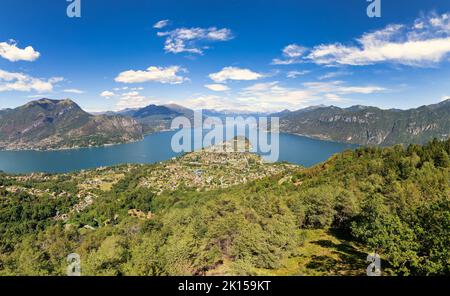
291 55
132 99
217 87
424 43
73 91
12 81
153 74
273 97
334 98
440 22
191 40
234 73
211 102
161 24
10 51
107 94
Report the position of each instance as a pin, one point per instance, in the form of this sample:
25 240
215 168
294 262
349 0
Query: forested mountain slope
370 125
55 124
232 214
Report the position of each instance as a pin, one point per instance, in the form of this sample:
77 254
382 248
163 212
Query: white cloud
210 102
339 88
295 74
335 98
359 90
10 81
426 42
189 39
107 94
217 87
132 99
54 80
10 51
234 73
258 87
445 98
441 22
153 74
161 24
272 96
120 88
73 91
333 75
291 55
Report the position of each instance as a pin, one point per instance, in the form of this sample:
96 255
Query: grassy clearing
325 252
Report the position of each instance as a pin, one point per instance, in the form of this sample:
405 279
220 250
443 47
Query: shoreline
162 131
113 161
83 147
70 148
322 139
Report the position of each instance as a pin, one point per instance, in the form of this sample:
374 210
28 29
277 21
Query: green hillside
210 213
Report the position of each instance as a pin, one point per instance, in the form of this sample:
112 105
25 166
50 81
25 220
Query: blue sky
250 55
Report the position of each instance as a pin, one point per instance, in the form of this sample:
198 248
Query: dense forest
394 201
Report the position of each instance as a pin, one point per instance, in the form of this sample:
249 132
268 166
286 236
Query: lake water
154 148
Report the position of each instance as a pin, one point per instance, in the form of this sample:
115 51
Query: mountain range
363 125
56 124
366 125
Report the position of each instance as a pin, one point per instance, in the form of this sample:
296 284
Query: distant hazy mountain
124 112
47 124
154 118
370 125
287 112
223 114
181 110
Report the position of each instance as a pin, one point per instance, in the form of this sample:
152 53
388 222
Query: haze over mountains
364 125
54 124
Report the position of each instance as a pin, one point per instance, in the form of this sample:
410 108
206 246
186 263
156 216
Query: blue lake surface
154 148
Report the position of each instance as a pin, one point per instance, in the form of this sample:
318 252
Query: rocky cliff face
371 126
56 124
